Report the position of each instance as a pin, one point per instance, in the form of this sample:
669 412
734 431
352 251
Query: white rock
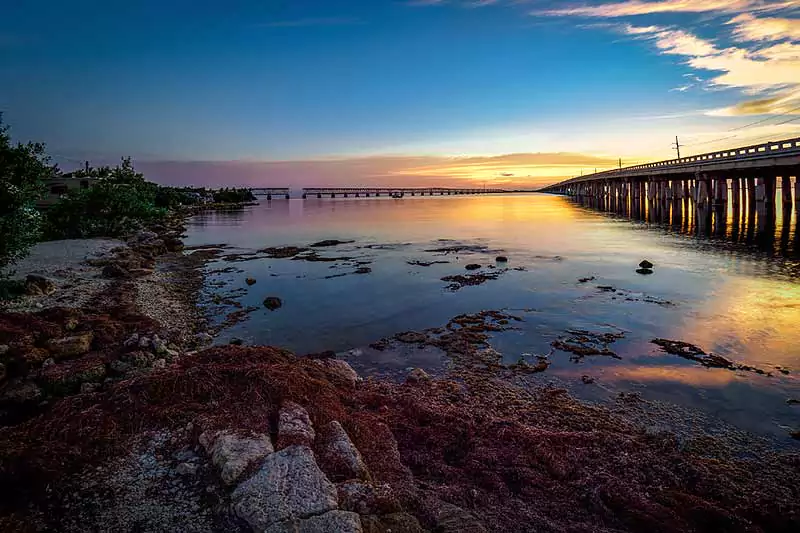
330 522
232 454
294 426
289 486
340 369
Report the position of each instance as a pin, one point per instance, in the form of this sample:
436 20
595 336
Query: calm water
732 296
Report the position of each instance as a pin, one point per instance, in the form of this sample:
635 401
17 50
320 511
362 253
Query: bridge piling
786 193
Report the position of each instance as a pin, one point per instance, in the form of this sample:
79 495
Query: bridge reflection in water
774 230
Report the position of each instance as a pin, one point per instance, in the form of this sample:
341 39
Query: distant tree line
119 200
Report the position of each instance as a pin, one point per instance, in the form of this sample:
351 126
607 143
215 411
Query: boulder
250 281
452 519
36 285
289 486
473 266
394 523
35 356
340 457
417 376
88 388
71 346
20 392
339 370
646 264
364 498
186 469
114 271
66 377
501 259
203 338
233 454
294 426
272 303
330 522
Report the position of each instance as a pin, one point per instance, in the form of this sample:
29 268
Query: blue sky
395 89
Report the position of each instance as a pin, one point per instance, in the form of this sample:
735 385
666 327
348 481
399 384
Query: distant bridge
366 192
749 174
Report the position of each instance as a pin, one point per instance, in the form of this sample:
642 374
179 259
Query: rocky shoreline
117 417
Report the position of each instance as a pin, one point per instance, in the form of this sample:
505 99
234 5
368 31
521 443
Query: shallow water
733 296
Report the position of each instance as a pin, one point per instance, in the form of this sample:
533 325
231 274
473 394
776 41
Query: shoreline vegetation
118 414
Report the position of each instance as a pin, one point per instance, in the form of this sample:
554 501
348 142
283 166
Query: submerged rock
501 259
250 281
329 242
288 487
644 271
362 270
272 303
473 266
233 454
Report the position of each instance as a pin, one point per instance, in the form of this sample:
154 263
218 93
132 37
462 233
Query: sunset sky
394 92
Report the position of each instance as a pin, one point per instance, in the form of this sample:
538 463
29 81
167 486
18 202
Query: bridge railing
744 153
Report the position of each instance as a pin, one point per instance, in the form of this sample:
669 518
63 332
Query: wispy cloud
774 70
642 7
305 22
751 28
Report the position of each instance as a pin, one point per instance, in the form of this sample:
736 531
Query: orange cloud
639 7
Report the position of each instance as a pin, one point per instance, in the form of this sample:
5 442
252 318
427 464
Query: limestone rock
88 388
36 285
70 346
364 498
452 519
340 457
186 469
20 392
289 486
330 522
232 454
411 337
417 376
294 426
342 372
35 356
394 523
66 377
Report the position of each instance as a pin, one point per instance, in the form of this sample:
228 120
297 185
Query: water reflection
768 230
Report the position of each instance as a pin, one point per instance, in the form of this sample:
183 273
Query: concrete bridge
269 192
748 176
366 192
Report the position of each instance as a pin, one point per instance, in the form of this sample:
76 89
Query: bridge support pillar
735 193
786 193
269 197
797 194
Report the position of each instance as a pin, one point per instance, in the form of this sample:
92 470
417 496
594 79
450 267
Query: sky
502 93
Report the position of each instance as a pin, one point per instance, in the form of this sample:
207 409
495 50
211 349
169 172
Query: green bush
23 169
118 203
